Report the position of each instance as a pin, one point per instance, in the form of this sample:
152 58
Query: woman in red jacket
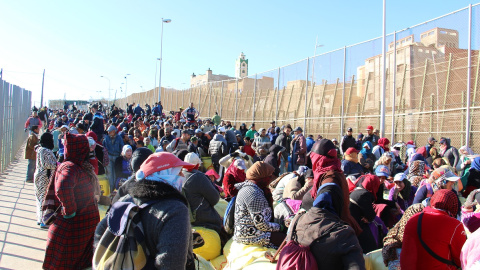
234 174
433 239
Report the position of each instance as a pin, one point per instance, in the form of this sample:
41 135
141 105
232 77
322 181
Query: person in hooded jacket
273 158
439 230
327 169
202 196
298 186
74 187
331 240
361 208
366 157
254 209
166 222
45 167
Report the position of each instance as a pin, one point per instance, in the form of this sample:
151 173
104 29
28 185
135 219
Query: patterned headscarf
415 172
446 200
394 238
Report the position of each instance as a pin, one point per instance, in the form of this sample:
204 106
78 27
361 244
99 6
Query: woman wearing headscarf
383 146
392 243
403 192
416 170
433 155
441 178
449 152
235 174
254 209
473 178
70 237
366 157
123 170
46 164
327 169
332 242
435 229
166 222
273 158
464 161
350 165
361 208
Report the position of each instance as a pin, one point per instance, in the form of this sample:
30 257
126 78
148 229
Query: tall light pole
108 89
156 71
161 48
126 86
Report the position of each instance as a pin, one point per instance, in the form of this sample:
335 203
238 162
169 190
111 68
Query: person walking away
97 122
371 137
216 119
33 120
284 140
45 166
449 152
347 141
70 237
30 153
114 145
299 149
434 231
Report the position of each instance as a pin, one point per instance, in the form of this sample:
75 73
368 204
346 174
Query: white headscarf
169 176
125 148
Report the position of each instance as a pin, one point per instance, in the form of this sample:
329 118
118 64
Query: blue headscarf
364 151
476 164
329 197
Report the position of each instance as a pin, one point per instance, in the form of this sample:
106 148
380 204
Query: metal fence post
394 90
236 100
342 120
278 89
469 75
254 98
306 98
221 101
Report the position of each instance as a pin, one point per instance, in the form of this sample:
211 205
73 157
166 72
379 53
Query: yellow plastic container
104 184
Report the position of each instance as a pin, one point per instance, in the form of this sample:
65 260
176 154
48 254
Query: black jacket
285 141
347 142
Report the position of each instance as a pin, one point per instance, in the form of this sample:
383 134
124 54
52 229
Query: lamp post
108 89
126 86
161 48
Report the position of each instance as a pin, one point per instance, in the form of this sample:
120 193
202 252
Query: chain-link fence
426 87
15 105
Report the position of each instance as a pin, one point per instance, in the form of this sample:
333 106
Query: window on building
424 35
443 32
243 71
327 100
243 64
370 97
399 67
420 50
427 51
409 39
452 34
431 33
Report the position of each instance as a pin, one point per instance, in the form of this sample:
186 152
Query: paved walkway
22 242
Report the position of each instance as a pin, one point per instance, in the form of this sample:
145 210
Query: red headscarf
446 200
238 174
371 183
320 165
383 142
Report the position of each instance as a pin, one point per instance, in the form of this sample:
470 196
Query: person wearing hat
97 124
271 130
359 141
403 192
371 137
434 231
397 160
166 222
387 210
366 157
193 146
426 149
347 141
441 178
299 185
114 145
350 164
30 153
234 174
33 120
299 149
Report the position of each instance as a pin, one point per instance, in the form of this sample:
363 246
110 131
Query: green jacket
250 133
216 120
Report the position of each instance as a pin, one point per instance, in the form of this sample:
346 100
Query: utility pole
43 81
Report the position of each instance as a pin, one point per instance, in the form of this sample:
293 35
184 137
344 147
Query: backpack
293 255
229 217
122 245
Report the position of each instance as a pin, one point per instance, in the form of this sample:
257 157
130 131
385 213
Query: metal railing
15 107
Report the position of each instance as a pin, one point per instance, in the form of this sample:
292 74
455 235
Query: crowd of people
416 207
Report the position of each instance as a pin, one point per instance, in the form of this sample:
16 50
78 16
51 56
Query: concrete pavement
22 242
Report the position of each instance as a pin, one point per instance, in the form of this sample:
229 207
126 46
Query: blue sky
78 41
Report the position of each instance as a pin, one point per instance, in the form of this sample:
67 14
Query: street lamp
108 89
126 86
161 48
